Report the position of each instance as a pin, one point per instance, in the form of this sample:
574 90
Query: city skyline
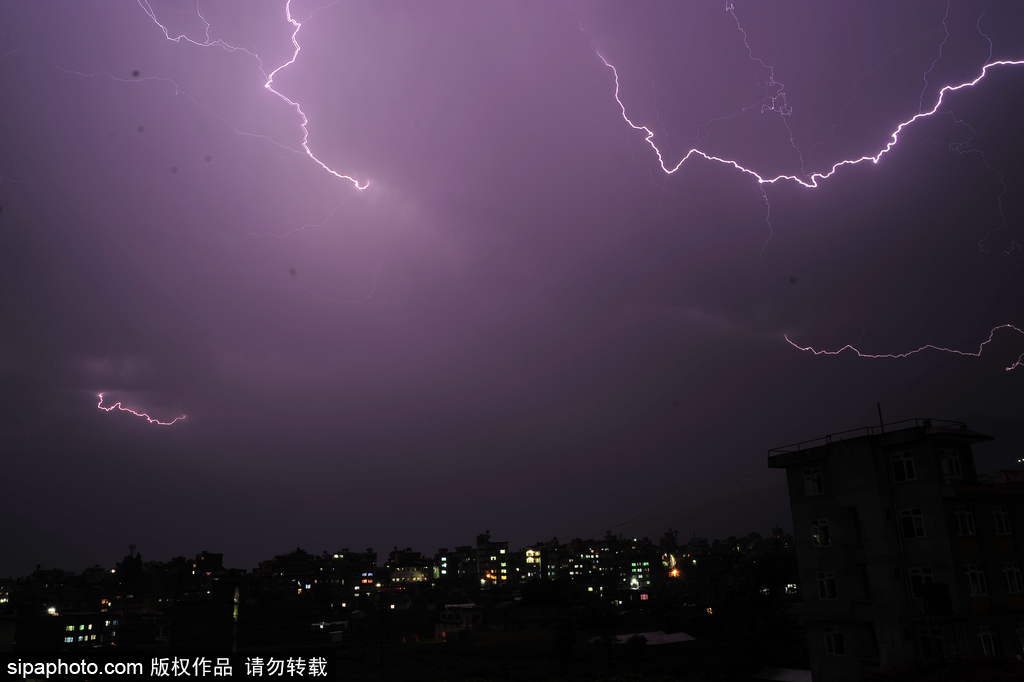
396 273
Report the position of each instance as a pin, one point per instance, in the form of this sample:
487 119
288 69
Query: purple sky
522 324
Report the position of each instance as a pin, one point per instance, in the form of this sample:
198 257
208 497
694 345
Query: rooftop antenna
881 422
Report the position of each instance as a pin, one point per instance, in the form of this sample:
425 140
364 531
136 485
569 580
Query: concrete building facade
906 553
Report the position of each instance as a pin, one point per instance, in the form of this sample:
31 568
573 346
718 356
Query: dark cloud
521 307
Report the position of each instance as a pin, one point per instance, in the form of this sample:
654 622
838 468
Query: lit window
70 628
1002 519
69 639
919 577
827 585
820 536
791 588
988 640
903 467
81 627
835 642
812 482
912 523
976 580
1014 580
949 463
964 520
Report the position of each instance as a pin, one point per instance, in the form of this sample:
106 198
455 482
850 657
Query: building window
964 520
976 580
812 482
69 639
791 588
903 467
1014 580
827 585
988 640
820 536
1002 519
912 523
931 643
835 643
919 577
949 463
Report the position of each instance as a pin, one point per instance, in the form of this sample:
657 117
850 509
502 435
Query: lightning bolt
777 103
924 88
954 351
812 180
145 416
269 84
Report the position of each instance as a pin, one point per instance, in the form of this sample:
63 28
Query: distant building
531 562
407 566
640 565
492 560
457 619
348 574
906 553
450 566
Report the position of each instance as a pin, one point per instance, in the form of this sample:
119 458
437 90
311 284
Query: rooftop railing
867 431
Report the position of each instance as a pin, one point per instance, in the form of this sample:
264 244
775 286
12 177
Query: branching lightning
812 180
147 8
119 406
1019 362
775 101
305 121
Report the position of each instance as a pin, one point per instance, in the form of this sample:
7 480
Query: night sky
522 324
